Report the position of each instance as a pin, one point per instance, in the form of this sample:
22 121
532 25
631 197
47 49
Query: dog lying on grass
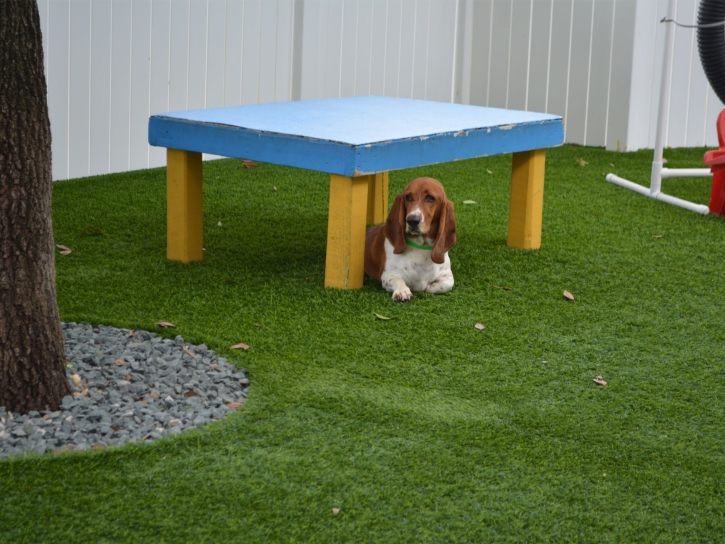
409 252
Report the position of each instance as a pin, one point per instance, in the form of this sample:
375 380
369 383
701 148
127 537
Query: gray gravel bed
127 387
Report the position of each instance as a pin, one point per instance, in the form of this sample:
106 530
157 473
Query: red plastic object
715 159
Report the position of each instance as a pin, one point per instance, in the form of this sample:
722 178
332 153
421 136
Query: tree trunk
32 361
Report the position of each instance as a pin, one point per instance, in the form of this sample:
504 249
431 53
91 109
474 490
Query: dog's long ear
395 225
446 238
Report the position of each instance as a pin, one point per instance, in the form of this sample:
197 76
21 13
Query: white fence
112 63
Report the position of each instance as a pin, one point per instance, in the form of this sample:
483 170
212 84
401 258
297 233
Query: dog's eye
430 198
408 198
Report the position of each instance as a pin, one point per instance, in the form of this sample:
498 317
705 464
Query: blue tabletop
355 135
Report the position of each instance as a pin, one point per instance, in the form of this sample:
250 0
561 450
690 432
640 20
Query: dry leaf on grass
469 202
240 345
189 352
657 236
233 405
502 287
98 446
258 325
249 164
165 324
599 381
480 326
581 162
90 229
64 250
219 224
383 317
568 295
487 170
335 510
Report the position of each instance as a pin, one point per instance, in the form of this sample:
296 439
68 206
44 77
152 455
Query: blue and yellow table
356 140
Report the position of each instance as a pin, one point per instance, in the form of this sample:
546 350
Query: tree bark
32 360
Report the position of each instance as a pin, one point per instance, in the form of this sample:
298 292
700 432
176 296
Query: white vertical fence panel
349 47
540 41
284 45
267 51
599 70
79 88
420 49
519 54
179 55
120 85
579 66
100 104
363 46
407 49
622 75
216 44
159 68
250 53
58 59
140 63
393 35
198 36
378 47
233 31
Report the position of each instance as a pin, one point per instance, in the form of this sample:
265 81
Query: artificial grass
419 428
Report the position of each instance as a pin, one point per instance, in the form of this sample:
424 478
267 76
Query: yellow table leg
527 199
377 198
183 206
346 232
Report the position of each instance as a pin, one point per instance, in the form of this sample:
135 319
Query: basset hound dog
409 252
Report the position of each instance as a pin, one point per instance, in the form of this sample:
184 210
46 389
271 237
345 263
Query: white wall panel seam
276 37
168 65
400 45
548 57
589 73
528 60
609 76
67 113
148 102
241 60
130 89
110 90
490 43
455 53
689 81
508 64
90 83
206 55
568 64
385 47
427 52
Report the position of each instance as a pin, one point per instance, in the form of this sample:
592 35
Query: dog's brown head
422 209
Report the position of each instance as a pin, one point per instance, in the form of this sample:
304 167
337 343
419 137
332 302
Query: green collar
418 246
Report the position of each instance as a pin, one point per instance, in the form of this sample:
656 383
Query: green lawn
420 428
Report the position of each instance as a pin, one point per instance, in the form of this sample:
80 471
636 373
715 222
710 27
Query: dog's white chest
415 267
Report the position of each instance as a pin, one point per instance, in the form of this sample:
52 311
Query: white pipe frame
658 171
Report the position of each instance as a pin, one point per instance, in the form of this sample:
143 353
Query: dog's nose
413 221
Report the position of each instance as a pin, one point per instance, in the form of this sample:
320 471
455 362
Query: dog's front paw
402 295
